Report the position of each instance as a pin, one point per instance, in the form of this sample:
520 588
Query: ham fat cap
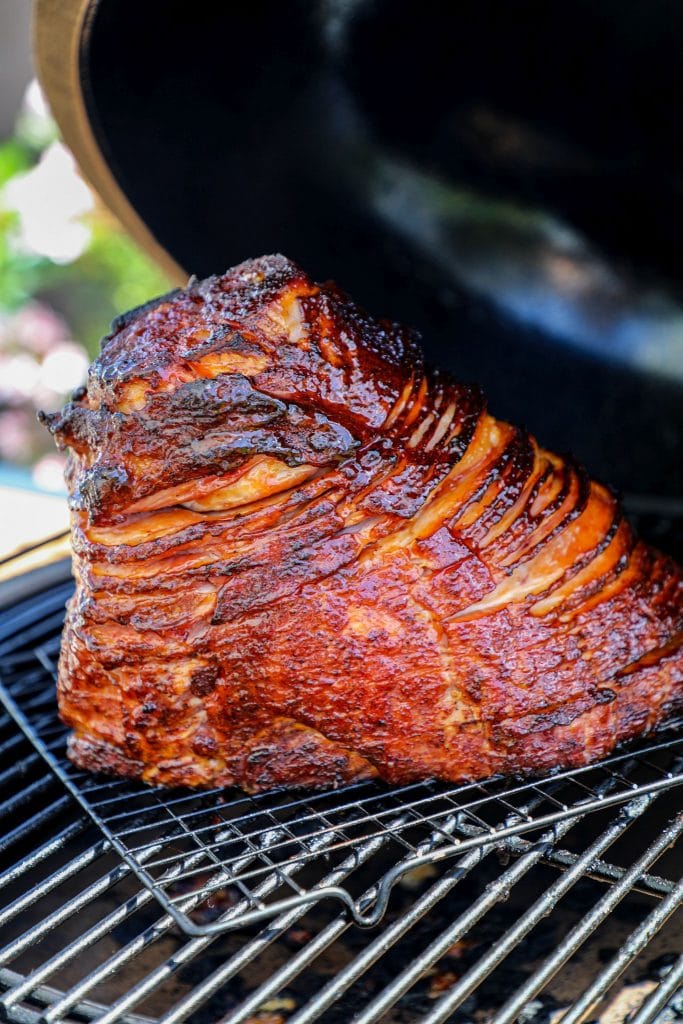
302 558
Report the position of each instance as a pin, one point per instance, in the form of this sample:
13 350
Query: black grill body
505 178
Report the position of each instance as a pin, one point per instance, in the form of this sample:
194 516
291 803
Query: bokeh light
51 200
66 269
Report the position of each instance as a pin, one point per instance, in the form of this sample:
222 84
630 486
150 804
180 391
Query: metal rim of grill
83 939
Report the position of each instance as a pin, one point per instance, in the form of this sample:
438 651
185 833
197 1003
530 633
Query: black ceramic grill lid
506 177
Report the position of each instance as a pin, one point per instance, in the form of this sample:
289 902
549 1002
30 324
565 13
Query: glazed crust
302 558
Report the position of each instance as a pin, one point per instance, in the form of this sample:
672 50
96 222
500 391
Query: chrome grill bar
497 891
591 921
628 952
662 996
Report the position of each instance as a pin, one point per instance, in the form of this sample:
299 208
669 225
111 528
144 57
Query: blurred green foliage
110 276
66 270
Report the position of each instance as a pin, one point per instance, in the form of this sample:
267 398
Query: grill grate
476 931
275 851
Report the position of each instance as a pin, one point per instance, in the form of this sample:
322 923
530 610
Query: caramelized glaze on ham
302 558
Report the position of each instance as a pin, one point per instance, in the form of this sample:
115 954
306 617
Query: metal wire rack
486 931
275 850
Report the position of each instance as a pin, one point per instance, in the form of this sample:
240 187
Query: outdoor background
66 269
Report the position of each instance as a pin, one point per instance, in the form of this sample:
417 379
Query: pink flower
36 327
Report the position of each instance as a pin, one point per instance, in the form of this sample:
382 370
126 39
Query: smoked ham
302 558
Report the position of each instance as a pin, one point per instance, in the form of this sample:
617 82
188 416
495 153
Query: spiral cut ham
302 559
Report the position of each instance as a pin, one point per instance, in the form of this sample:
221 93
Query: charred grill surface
303 558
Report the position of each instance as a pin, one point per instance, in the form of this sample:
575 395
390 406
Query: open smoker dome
506 178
